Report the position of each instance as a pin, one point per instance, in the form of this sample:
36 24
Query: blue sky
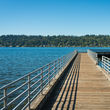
54 17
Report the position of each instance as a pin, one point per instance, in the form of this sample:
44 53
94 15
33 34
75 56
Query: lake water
16 61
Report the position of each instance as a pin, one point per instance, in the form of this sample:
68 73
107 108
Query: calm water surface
15 62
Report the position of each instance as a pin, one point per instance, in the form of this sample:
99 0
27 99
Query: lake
17 61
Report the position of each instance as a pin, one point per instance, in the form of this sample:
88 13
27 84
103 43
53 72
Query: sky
54 17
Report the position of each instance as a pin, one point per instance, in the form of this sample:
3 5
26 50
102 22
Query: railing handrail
106 58
30 73
51 70
106 63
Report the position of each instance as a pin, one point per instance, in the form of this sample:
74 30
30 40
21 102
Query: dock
73 82
85 88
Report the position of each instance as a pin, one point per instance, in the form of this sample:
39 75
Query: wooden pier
84 87
73 82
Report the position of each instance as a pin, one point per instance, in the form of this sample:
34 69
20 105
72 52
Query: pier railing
93 55
106 63
19 94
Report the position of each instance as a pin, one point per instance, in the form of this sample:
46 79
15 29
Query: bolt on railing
106 63
20 93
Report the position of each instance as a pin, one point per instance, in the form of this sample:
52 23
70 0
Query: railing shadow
75 96
72 80
74 86
64 91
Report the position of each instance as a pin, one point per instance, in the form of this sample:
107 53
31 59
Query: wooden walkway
85 88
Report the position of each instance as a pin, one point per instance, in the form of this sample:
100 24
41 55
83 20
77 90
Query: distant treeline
54 41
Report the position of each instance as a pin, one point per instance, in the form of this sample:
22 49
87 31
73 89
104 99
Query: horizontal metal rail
106 63
20 93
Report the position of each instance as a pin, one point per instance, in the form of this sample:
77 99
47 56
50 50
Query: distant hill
54 41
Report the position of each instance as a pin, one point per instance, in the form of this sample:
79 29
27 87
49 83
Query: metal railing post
109 69
63 60
5 99
102 62
58 66
61 64
41 80
54 68
29 91
49 74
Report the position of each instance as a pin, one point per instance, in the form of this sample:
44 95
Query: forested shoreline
54 41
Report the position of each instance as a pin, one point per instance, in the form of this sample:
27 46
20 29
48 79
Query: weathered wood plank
93 87
85 88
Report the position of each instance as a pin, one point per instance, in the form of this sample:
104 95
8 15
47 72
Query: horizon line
55 35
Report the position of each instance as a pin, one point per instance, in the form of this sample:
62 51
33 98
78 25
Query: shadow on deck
65 93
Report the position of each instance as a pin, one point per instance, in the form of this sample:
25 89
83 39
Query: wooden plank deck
93 87
85 88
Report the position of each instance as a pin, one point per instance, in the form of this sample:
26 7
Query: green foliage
54 41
